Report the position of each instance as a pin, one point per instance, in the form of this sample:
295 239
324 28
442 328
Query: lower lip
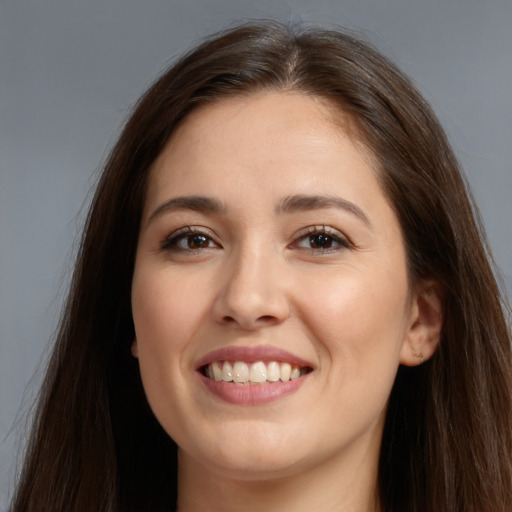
251 394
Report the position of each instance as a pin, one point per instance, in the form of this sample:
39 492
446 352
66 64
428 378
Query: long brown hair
447 443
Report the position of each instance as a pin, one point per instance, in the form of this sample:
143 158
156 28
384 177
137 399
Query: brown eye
320 241
197 241
187 239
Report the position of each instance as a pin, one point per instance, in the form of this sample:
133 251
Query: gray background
70 70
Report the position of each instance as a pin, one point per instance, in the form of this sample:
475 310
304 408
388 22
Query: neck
329 487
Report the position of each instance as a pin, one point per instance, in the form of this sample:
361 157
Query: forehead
286 108
238 137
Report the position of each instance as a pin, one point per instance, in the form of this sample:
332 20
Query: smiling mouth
257 373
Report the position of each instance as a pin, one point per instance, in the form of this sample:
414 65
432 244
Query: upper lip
252 355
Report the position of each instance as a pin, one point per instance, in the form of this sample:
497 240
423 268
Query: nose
252 292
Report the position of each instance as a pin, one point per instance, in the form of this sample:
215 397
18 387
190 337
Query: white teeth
240 372
273 371
217 372
286 370
257 373
227 372
295 373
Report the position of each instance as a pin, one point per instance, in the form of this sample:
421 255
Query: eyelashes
194 240
321 239
189 238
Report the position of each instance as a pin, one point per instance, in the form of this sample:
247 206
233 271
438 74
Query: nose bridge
252 292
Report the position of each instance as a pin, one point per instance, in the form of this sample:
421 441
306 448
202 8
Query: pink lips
251 394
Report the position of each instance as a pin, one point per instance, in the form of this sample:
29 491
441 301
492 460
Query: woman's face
268 254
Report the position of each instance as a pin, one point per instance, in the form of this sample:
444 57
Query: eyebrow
301 202
289 205
201 204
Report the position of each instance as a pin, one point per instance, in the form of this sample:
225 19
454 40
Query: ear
425 324
135 348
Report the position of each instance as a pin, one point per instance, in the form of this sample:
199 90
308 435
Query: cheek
359 319
165 320
166 316
166 312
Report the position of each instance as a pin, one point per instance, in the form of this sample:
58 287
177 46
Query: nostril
247 323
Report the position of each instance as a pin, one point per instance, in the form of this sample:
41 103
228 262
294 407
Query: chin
256 466
246 453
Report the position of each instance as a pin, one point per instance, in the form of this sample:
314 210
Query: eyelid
168 243
343 242
336 235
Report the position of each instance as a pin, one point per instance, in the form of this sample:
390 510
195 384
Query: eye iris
197 242
320 241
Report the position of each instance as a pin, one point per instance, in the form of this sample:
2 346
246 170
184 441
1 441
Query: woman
282 299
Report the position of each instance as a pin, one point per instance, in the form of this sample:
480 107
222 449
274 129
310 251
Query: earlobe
425 325
135 348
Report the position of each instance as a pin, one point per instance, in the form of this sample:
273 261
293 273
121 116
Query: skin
348 310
